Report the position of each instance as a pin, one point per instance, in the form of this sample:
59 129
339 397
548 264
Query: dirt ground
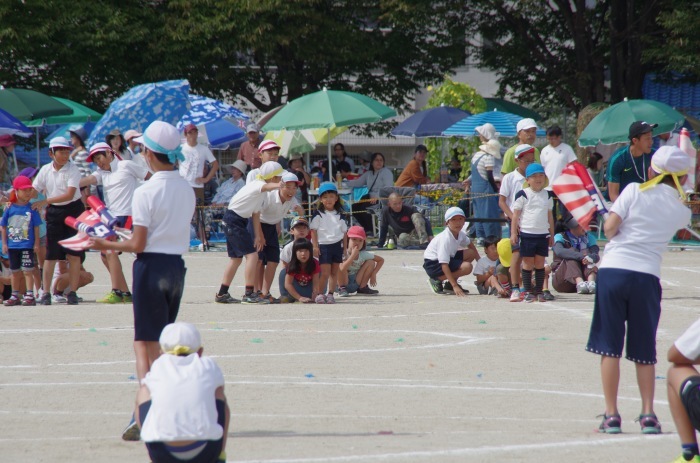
406 376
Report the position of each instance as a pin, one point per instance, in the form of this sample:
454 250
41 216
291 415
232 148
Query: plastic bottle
338 180
444 173
390 244
317 181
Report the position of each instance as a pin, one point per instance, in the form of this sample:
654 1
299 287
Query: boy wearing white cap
162 209
59 181
446 259
242 241
276 206
527 134
181 406
649 213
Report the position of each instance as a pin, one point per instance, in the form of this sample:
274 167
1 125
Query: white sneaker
591 287
515 296
58 299
582 288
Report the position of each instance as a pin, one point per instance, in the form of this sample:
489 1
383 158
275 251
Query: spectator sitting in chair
405 223
231 186
375 179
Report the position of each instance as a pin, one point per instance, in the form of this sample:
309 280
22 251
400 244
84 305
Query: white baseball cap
454 211
180 338
160 137
527 123
59 142
269 170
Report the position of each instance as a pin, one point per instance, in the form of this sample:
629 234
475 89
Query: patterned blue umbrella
430 122
136 109
505 123
10 125
219 123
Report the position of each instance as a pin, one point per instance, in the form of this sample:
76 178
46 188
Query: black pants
363 216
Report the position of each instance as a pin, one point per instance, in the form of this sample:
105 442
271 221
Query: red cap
21 183
190 127
357 232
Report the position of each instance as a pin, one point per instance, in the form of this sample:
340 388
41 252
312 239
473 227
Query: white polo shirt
286 253
535 207
649 220
183 399
444 246
689 342
248 200
330 226
511 184
555 159
56 182
274 210
119 185
164 205
193 165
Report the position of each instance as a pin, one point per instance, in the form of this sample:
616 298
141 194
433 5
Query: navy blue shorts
161 452
534 245
331 253
271 251
625 296
159 280
434 268
239 242
21 259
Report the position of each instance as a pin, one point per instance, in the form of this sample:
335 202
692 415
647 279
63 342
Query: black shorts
331 253
57 230
271 251
159 452
239 242
434 268
690 396
21 259
159 280
534 245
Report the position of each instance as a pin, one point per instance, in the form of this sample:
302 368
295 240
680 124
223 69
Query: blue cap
533 169
326 187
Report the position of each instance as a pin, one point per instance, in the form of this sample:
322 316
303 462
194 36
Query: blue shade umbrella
10 125
219 123
63 130
161 101
505 123
430 122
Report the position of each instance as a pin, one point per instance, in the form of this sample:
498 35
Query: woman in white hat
484 191
230 187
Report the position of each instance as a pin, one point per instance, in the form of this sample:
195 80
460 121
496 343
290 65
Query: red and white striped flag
79 242
579 194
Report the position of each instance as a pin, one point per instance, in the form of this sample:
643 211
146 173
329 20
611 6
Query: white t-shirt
444 246
649 220
274 209
56 182
555 159
119 185
329 226
535 207
248 200
183 400
689 342
164 205
193 165
483 264
511 184
286 253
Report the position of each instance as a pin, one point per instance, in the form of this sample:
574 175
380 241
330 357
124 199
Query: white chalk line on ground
490 449
315 383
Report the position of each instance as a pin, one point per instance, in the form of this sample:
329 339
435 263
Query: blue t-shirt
624 169
20 222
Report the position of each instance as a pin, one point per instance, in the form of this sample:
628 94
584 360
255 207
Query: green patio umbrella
80 113
327 109
612 125
499 104
27 105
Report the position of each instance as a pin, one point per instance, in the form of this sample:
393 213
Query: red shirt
304 278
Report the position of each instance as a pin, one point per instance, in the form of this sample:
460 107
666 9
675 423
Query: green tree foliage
265 51
564 52
441 150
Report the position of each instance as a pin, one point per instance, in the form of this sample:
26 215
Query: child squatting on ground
20 240
300 280
446 259
329 239
181 408
486 267
641 222
532 229
360 267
